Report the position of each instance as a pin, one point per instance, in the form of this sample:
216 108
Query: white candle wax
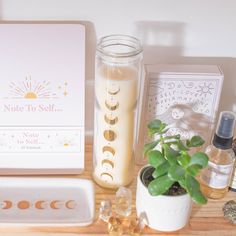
116 96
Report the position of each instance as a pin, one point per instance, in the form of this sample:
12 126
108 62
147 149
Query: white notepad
42 71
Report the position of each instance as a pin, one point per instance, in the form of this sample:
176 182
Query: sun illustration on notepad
32 89
67 142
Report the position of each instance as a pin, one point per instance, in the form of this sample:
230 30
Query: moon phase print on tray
46 201
6 204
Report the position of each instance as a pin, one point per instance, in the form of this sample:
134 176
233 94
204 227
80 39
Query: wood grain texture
205 220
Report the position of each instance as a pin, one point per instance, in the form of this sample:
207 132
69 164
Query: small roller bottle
215 179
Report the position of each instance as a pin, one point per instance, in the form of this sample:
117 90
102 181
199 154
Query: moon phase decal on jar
110 120
113 90
112 107
109 149
109 135
107 177
108 162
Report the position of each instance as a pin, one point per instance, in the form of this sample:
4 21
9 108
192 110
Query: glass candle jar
117 85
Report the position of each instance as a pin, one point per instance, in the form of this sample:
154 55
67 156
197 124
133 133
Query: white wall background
183 31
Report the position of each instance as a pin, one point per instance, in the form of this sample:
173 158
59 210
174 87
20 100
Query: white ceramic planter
164 213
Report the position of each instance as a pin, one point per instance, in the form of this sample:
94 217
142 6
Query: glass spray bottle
216 177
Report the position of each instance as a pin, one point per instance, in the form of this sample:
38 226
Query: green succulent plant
173 163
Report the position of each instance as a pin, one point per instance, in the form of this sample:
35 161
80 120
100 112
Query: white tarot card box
186 97
42 72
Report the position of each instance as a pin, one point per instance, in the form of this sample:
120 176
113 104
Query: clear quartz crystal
105 210
123 201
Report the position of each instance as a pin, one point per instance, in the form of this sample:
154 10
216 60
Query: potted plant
167 186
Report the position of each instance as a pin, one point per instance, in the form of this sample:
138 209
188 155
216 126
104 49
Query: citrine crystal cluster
119 222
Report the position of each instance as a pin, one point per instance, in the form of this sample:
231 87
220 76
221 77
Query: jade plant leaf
156 126
150 146
195 141
155 158
170 154
193 188
199 198
184 159
199 158
191 184
182 182
173 163
176 172
194 170
160 185
181 146
161 169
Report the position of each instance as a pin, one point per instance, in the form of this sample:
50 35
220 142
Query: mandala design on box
188 105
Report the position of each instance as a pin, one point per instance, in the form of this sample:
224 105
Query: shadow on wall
163 43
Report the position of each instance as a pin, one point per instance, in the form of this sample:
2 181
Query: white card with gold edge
46 201
42 98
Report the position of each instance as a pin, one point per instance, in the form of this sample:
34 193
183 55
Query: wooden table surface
205 220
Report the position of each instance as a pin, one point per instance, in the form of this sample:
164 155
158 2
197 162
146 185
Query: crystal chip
123 201
105 210
115 227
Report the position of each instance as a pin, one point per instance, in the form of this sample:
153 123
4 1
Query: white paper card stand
183 96
42 98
